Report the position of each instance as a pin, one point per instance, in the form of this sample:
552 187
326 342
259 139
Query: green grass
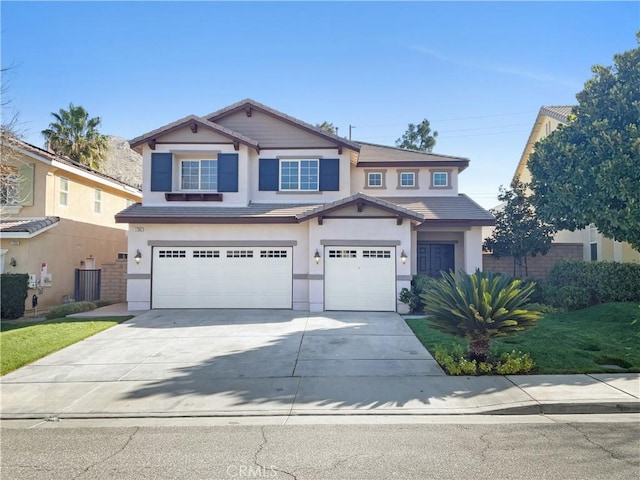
25 342
583 341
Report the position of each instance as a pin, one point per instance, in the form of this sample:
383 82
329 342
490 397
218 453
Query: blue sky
478 71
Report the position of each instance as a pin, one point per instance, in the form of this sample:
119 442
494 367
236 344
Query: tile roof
371 152
26 225
213 116
459 209
16 143
434 209
374 201
193 119
253 210
559 112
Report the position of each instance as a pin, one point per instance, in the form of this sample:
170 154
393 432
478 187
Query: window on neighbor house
299 175
440 179
374 179
594 251
199 175
407 179
97 200
9 185
63 198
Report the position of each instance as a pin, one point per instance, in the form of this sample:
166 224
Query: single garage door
222 277
360 278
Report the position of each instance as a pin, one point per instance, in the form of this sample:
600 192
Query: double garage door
355 278
222 277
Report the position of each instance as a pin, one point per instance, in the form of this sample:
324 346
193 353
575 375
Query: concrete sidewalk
202 363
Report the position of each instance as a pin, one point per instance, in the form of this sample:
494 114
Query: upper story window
199 175
63 198
440 179
297 175
374 179
97 200
407 178
9 185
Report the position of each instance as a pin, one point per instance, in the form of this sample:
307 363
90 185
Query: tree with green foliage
479 307
418 137
588 171
519 232
327 127
74 135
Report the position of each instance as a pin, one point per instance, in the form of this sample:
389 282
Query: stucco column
473 249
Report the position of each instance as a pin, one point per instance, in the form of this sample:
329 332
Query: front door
434 258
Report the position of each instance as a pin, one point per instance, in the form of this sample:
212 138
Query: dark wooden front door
434 258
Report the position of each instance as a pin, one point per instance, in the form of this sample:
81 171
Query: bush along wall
13 287
575 284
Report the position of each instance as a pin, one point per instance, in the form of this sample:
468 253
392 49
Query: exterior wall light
403 257
13 262
138 257
316 257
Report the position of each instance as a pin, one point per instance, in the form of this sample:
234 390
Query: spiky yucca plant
479 307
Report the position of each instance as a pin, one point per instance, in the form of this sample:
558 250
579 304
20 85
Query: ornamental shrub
479 308
69 308
576 284
412 298
14 293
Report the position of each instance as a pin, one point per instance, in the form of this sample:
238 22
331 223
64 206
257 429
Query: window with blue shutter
268 172
228 172
329 174
161 172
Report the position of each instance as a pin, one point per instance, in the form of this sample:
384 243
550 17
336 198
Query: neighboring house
595 246
250 208
57 216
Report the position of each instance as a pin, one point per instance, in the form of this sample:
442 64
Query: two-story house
248 207
595 246
57 216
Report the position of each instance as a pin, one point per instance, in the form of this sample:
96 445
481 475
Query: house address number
138 229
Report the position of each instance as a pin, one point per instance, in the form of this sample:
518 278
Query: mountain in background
122 163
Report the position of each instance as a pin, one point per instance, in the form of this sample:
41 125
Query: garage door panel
359 278
225 277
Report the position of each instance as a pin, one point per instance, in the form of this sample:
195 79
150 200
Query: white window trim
298 160
370 184
382 172
414 185
97 201
437 172
199 160
61 191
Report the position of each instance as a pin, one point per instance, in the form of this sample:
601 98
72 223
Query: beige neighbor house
248 207
57 216
595 246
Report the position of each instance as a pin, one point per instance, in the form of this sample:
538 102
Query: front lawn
600 339
25 342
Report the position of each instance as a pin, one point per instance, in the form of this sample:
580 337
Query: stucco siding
62 248
390 181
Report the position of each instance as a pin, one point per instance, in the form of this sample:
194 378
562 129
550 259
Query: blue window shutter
161 171
269 172
329 174
227 172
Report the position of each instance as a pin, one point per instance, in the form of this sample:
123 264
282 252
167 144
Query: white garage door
222 277
360 278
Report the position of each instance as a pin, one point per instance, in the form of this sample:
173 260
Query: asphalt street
515 448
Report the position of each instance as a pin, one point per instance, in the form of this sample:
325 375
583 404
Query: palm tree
75 135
